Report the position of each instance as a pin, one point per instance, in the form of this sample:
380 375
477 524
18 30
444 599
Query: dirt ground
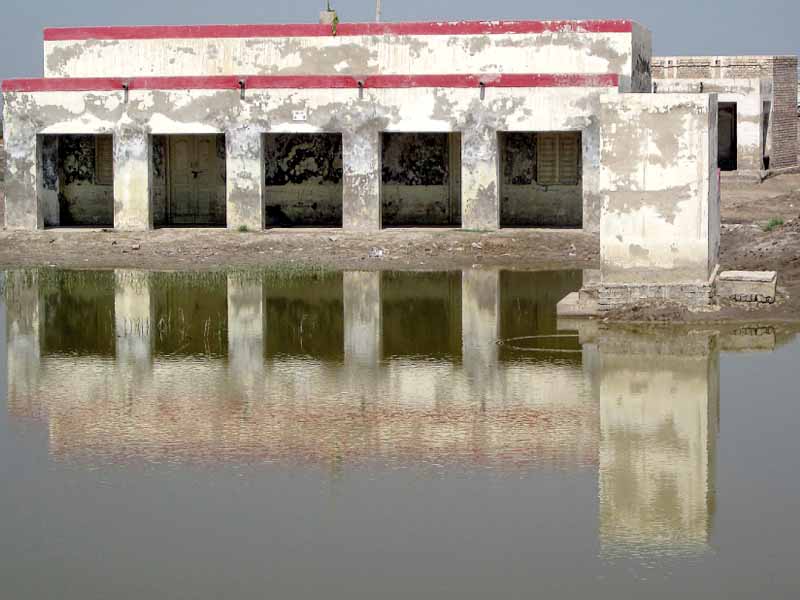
747 207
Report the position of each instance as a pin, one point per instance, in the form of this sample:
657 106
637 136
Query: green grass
468 230
773 223
243 229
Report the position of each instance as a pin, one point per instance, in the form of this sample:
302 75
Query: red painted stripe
230 82
343 29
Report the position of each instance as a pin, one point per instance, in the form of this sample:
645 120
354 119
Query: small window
104 160
558 158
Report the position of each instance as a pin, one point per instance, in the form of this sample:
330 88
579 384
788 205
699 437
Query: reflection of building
319 372
659 407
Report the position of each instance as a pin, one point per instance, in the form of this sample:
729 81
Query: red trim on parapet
232 82
342 29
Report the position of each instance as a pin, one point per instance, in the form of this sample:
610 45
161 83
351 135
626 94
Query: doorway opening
77 180
541 179
303 179
188 180
726 136
421 180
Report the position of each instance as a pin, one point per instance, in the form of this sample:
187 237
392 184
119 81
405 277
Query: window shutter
104 160
568 149
547 158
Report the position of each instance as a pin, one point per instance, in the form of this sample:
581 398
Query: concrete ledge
748 286
610 296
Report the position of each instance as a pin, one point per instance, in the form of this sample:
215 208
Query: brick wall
784 113
711 67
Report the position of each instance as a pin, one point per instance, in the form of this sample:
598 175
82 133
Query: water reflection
372 370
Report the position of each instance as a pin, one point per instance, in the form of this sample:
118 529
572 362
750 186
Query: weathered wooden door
197 181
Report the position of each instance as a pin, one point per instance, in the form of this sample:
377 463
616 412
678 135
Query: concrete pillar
361 157
133 317
480 179
246 332
244 152
22 178
660 223
480 323
363 327
659 408
132 206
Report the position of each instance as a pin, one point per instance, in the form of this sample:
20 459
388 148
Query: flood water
363 435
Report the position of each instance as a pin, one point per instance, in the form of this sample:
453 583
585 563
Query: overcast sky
678 26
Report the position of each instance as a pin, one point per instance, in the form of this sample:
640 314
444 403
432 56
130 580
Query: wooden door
197 181
182 200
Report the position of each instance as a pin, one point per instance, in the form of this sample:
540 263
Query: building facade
479 125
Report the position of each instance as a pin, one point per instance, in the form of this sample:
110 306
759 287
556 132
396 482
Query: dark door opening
303 179
77 180
726 135
421 180
541 179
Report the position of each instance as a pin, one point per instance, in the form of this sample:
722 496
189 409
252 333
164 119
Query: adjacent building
757 105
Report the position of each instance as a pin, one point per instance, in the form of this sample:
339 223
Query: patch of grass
468 230
242 229
773 223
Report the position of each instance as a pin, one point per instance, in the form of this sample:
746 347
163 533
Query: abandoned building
478 125
757 98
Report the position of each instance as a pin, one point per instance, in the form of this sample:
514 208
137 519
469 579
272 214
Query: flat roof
232 82
342 29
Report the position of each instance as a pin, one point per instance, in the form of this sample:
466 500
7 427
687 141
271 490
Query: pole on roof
377 11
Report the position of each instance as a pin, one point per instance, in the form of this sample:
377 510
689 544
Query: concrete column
244 152
659 403
132 206
480 323
363 325
22 178
246 332
133 317
480 177
361 157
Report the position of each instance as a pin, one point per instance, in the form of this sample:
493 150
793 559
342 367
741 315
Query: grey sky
679 26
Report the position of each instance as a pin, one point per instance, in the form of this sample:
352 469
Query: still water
364 435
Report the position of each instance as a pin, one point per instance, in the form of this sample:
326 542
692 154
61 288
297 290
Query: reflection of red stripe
343 29
230 82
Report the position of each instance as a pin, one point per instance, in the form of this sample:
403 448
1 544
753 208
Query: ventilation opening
421 180
303 180
188 181
77 180
726 136
541 182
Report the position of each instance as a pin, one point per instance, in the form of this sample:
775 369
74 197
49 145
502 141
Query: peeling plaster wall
660 218
360 120
749 96
626 54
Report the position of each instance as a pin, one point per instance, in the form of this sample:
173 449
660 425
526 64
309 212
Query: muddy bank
399 249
